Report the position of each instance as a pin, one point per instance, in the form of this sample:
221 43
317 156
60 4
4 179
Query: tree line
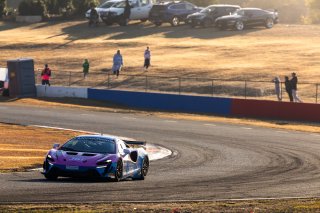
290 11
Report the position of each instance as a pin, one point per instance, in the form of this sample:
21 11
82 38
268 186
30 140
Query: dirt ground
256 54
22 148
283 205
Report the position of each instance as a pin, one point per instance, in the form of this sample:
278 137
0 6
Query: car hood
196 15
79 158
229 17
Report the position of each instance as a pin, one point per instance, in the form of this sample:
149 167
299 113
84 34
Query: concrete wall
60 92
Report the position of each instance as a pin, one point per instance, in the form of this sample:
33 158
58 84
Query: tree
314 11
2 7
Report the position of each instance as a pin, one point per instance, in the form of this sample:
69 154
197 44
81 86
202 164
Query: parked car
140 10
208 16
102 8
248 17
173 12
97 156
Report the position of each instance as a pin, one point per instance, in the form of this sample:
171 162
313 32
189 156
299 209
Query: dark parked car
208 16
248 17
173 12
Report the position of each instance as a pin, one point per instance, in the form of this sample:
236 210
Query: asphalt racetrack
211 161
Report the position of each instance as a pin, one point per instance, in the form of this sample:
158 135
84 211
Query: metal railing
248 89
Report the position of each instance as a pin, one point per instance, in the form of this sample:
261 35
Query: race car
99 156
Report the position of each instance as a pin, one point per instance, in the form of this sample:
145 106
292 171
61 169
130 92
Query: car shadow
82 31
71 180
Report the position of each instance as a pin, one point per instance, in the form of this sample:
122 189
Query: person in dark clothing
294 82
94 16
288 88
45 75
127 12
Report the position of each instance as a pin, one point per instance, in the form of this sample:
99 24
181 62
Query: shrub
2 7
32 8
81 6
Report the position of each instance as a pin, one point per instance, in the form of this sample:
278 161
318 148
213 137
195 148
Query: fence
247 89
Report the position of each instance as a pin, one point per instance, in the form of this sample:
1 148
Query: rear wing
136 144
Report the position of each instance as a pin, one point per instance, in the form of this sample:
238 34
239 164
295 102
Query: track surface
212 160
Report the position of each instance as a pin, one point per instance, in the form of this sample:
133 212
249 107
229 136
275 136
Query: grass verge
284 205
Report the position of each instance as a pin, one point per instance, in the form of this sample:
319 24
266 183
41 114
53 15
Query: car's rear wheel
144 169
119 171
269 23
206 23
239 25
158 23
175 21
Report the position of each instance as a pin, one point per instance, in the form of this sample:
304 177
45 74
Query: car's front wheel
269 23
239 25
175 21
119 171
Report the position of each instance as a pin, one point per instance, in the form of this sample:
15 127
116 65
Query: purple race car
97 156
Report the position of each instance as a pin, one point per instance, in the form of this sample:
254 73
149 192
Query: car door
178 10
135 10
125 158
248 18
146 6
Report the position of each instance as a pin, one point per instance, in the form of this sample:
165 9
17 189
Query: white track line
209 124
247 128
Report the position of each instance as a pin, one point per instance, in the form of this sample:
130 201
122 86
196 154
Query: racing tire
144 169
206 23
269 23
239 26
50 176
158 24
119 171
175 21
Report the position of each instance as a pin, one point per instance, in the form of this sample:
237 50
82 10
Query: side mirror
56 146
126 151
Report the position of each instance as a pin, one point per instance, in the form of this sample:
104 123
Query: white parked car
140 10
102 8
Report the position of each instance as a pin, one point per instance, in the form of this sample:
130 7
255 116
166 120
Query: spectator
147 57
277 84
288 88
45 75
94 16
127 12
85 66
294 82
117 63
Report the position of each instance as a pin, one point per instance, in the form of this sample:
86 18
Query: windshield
90 144
207 10
120 4
239 13
107 4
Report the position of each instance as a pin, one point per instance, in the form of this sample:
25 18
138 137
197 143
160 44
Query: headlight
49 158
105 162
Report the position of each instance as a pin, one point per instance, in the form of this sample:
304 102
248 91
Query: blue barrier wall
167 102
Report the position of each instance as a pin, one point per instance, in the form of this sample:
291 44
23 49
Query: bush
81 6
32 8
2 7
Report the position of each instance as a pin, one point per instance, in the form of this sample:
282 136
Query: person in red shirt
45 75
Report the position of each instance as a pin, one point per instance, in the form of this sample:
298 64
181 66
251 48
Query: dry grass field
23 148
254 54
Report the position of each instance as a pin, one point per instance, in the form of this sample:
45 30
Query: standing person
277 87
294 82
126 12
86 67
147 58
288 88
117 63
94 16
45 75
